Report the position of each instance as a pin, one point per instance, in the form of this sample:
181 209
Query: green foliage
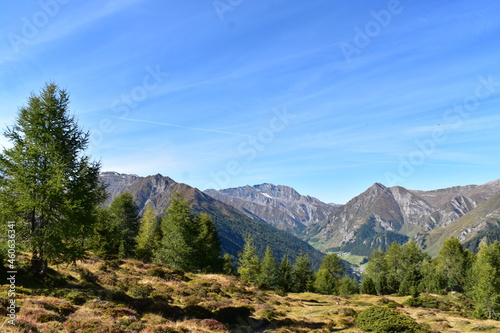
432 280
384 320
126 214
104 240
77 297
487 236
208 246
389 303
149 235
268 275
48 186
484 285
189 242
116 228
367 286
178 228
249 263
327 278
395 267
375 276
453 263
367 239
429 302
403 268
139 290
302 275
233 229
285 275
348 286
227 266
399 270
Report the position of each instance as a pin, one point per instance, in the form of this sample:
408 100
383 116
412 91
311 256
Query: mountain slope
471 228
372 219
379 211
233 226
394 212
280 206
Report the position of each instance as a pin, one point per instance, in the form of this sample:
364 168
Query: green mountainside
233 227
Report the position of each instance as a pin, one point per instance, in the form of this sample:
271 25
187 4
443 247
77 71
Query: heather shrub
383 320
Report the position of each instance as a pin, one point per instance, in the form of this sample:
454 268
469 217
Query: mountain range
279 216
232 225
374 218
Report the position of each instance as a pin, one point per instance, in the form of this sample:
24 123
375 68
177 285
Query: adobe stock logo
33 24
226 6
373 28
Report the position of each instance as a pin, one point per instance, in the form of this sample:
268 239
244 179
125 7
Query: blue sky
328 97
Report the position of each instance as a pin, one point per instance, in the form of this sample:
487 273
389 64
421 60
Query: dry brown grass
108 294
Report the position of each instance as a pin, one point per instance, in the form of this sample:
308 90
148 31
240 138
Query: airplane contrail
180 126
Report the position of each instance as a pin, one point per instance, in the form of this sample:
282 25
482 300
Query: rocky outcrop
280 206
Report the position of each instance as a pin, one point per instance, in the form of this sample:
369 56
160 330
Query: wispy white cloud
180 126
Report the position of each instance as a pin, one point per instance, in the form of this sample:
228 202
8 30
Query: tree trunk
38 263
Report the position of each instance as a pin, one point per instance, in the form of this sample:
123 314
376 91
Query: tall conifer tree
484 285
249 263
330 272
178 246
285 275
208 245
268 270
453 263
47 184
125 214
303 276
148 236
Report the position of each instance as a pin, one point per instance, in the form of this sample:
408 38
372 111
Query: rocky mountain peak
281 206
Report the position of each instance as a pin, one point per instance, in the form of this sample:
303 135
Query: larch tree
412 258
48 186
330 272
484 285
228 267
249 263
348 286
453 263
432 280
395 267
105 239
268 270
303 276
208 245
285 275
125 214
116 228
375 275
148 236
178 246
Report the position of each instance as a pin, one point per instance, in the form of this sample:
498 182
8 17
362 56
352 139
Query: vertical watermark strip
11 273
